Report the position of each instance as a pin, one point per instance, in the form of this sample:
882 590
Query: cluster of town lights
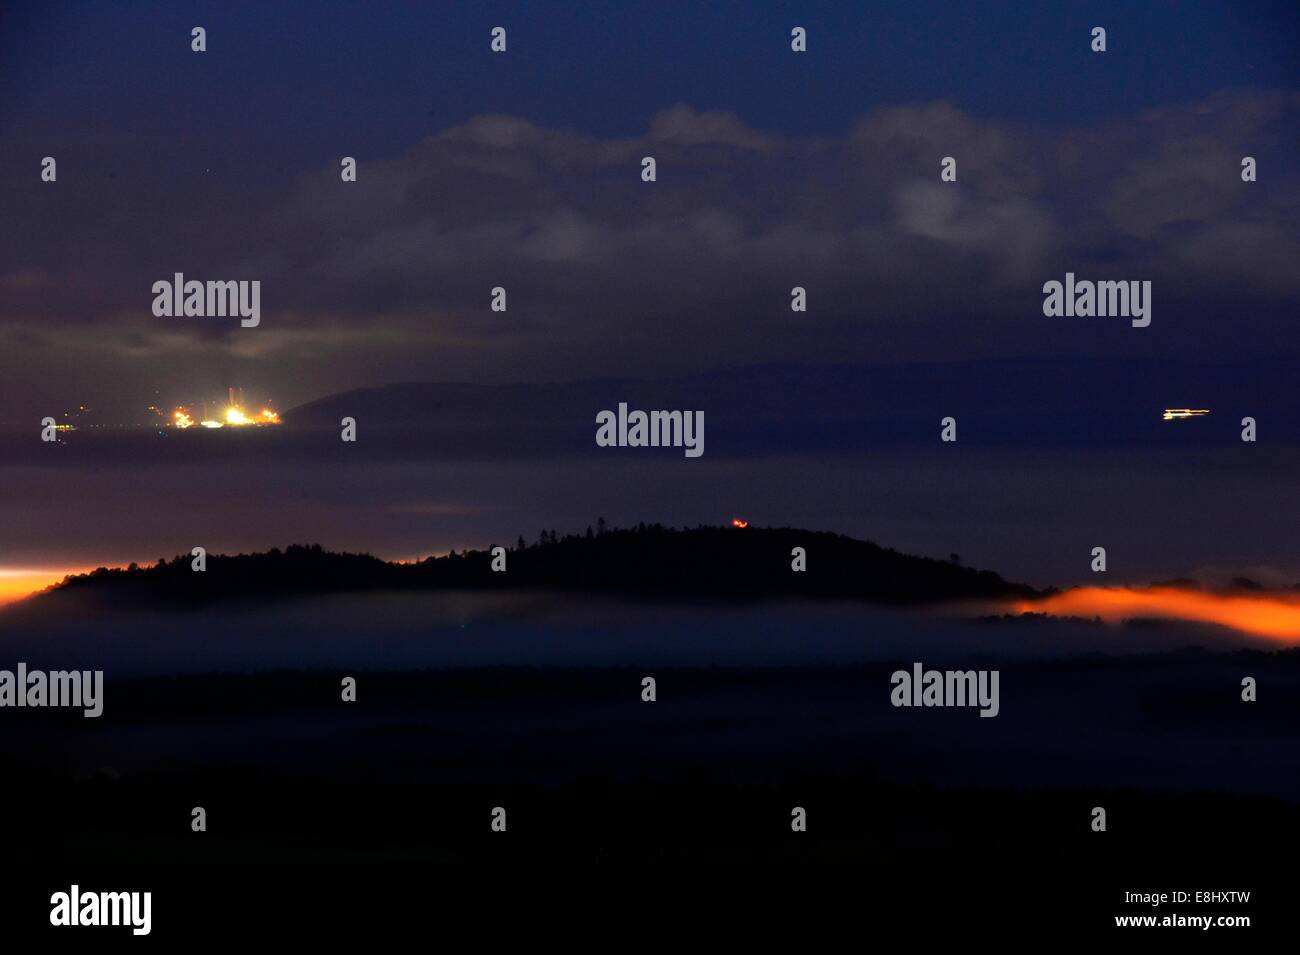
234 417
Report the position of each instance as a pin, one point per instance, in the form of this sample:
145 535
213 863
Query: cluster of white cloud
394 271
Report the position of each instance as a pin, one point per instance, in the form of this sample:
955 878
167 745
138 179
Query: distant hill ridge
649 560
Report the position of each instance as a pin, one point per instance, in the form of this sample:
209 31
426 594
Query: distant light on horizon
1172 413
17 583
234 416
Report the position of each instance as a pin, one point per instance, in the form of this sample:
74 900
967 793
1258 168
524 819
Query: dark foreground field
379 809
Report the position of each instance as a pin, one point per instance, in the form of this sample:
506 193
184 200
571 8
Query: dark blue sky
287 83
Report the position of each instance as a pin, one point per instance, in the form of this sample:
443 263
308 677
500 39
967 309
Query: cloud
607 274
501 195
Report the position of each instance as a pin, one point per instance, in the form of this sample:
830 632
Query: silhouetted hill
651 561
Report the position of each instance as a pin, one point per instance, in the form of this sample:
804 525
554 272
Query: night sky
775 169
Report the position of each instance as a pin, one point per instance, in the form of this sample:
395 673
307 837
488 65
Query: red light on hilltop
737 522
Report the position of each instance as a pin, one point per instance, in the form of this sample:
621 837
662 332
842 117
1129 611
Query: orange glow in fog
1275 616
19 582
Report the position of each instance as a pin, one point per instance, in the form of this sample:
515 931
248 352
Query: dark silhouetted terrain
653 561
